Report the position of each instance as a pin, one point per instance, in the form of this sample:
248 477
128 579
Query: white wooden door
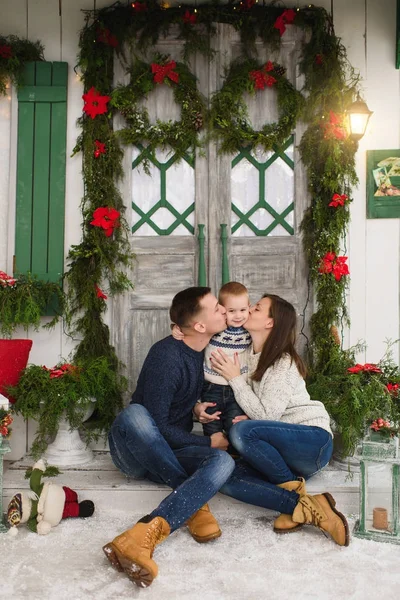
263 242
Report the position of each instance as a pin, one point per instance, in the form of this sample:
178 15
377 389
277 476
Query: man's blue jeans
195 473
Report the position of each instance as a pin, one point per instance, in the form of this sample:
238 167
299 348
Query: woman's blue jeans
282 451
195 473
274 452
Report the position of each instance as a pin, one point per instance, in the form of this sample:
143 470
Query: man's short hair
232 288
186 305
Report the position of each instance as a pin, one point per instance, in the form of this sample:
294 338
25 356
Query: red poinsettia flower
6 280
340 268
189 17
139 6
100 148
378 424
105 36
106 218
319 59
163 71
338 200
100 293
95 104
393 388
286 18
334 128
5 51
368 367
261 77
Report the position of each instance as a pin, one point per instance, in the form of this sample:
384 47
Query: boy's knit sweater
281 395
231 340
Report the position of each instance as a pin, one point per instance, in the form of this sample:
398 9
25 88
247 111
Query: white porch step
109 489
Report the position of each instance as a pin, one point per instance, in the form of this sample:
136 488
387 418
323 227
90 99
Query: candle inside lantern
380 518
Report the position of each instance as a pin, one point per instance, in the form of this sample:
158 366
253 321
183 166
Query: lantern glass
378 498
358 115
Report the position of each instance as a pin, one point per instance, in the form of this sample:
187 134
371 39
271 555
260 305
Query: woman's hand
240 418
222 364
176 332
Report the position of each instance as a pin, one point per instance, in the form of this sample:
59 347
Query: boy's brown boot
132 551
203 526
284 523
320 511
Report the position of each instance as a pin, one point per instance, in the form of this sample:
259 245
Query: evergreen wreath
229 114
177 135
14 54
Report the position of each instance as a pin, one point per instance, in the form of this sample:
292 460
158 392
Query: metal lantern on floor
379 490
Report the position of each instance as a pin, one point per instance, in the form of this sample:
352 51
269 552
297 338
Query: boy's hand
201 414
176 332
240 418
218 440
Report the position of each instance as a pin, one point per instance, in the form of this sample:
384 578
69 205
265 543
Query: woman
288 438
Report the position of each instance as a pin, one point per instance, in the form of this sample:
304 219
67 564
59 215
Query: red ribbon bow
163 71
286 18
338 200
189 17
105 36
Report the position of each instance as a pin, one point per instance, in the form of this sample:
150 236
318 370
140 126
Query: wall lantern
379 490
359 115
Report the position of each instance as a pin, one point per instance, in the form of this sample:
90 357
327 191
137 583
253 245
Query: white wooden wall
368 30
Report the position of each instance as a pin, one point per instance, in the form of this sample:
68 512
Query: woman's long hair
282 338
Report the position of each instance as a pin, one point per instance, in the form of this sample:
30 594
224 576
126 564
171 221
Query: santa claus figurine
45 504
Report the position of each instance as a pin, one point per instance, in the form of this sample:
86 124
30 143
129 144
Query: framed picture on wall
383 184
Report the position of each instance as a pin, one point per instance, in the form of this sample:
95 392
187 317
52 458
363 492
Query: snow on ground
249 562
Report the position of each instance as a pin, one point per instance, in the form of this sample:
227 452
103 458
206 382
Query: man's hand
201 414
218 440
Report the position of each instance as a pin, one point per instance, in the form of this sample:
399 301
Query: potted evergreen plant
23 301
60 399
356 395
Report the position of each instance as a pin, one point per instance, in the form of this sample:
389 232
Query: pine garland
326 150
14 54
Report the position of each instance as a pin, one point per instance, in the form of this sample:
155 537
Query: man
152 438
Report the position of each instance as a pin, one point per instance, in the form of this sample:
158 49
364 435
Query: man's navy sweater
169 386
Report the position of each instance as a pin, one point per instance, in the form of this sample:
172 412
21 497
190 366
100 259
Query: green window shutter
41 155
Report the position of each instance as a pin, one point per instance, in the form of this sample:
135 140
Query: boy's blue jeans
195 473
224 399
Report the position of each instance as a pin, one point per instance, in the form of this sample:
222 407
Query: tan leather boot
320 511
203 525
132 551
284 523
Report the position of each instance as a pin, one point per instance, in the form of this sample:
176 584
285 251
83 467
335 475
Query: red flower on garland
100 148
100 293
247 4
139 6
5 51
261 77
189 17
334 264
56 372
163 71
95 104
338 200
107 218
6 280
319 59
286 18
105 36
368 368
378 424
393 388
335 127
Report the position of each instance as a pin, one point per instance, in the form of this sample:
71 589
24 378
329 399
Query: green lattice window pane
262 185
162 203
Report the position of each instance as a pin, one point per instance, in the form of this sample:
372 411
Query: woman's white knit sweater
281 395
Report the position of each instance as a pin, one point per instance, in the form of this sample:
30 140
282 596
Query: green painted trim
202 276
398 35
363 491
395 498
225 262
48 93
